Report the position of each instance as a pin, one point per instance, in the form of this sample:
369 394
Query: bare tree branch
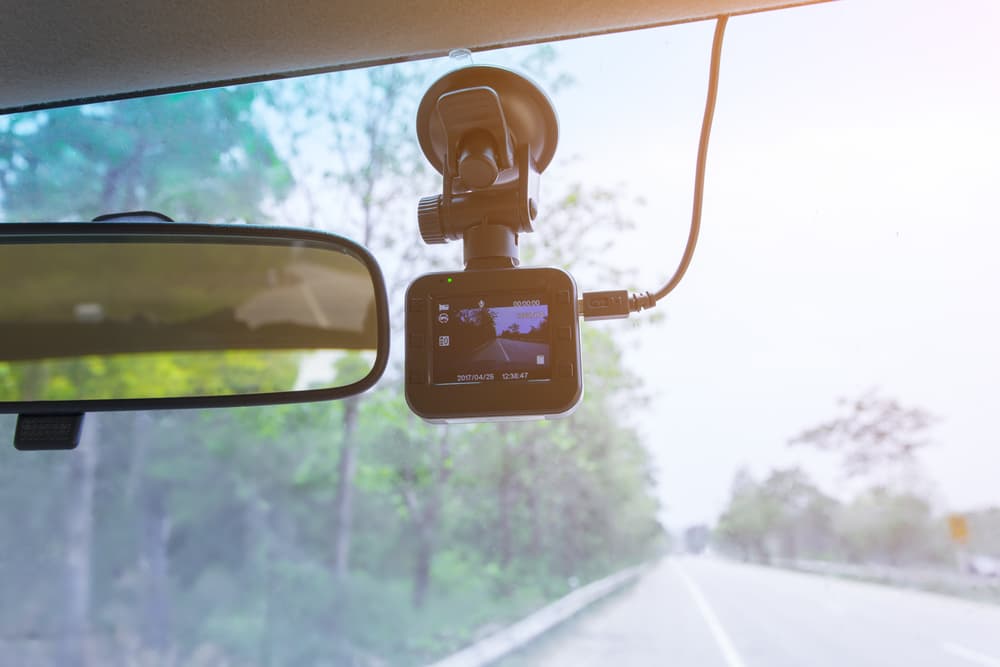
871 432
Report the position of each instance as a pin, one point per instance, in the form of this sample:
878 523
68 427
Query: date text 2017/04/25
489 377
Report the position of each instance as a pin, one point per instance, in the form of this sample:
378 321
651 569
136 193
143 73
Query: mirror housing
148 315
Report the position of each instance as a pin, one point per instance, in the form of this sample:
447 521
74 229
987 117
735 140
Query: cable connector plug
613 304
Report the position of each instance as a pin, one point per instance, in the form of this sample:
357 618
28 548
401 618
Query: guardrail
940 581
520 634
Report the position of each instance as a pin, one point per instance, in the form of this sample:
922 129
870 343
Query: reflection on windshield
315 296
87 298
179 319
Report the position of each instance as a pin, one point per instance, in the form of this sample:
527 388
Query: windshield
792 460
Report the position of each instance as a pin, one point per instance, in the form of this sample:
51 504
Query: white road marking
970 655
726 647
505 357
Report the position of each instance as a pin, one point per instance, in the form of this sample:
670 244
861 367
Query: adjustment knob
477 161
429 220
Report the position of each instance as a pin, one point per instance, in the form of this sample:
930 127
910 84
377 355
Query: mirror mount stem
48 431
489 219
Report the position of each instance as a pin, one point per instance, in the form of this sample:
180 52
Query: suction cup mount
490 132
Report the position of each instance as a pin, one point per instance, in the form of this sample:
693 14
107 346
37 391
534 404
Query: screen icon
444 341
442 306
540 359
443 318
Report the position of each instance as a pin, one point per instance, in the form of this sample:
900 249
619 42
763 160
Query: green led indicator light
450 280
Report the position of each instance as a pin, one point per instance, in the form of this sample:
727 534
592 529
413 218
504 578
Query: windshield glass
792 460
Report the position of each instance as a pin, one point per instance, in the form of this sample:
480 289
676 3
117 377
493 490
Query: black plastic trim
474 401
115 231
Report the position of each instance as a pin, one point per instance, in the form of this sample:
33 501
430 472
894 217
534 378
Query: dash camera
495 341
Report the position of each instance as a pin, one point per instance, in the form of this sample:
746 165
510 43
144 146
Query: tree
804 514
80 530
349 137
366 170
748 518
784 515
412 461
193 156
886 527
871 433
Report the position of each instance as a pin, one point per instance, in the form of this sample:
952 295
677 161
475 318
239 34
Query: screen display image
491 339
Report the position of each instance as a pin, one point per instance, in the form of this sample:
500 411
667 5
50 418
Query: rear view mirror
136 316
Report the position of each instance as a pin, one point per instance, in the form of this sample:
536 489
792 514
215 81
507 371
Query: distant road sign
959 528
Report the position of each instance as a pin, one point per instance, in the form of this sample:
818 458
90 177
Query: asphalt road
712 613
510 351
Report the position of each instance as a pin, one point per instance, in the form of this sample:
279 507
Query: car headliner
59 53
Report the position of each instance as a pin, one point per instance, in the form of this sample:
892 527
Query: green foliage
212 535
194 156
521 510
893 528
149 375
786 516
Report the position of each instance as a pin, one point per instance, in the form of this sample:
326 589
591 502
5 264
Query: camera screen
491 339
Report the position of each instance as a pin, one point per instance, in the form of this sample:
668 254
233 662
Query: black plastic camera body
492 343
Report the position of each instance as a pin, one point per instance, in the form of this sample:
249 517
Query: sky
849 240
527 318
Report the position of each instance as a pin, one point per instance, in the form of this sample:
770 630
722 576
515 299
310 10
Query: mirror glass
181 316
